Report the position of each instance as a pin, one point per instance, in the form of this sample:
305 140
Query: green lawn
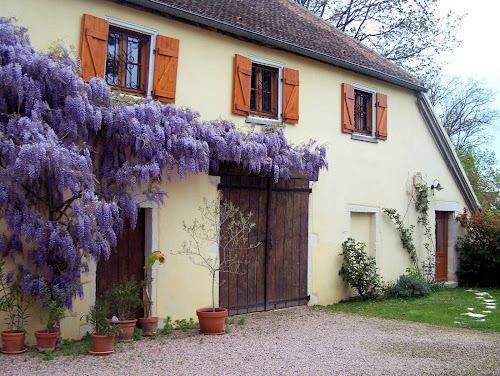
441 308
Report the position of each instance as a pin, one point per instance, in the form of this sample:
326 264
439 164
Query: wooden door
126 260
441 246
276 273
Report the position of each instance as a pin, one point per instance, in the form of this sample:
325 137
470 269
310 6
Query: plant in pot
15 304
221 223
52 312
104 333
149 324
124 297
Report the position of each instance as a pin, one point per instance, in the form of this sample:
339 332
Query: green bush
479 250
360 270
408 286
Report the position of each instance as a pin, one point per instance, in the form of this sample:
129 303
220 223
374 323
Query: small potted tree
125 300
103 336
221 223
15 304
149 324
52 312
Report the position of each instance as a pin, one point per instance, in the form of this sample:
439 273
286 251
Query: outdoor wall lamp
437 186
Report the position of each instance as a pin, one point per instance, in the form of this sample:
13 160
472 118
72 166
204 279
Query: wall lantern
437 186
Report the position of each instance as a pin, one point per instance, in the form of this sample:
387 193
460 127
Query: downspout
206 21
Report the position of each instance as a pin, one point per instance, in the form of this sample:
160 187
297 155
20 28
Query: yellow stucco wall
360 173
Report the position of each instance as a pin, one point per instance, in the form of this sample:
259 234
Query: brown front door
276 273
441 246
126 260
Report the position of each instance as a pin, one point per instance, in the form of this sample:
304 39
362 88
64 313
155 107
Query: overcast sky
479 54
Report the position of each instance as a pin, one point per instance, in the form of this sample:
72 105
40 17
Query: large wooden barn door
276 273
126 260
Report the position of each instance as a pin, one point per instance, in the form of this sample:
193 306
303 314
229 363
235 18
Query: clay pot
125 329
211 322
13 342
102 345
46 340
149 325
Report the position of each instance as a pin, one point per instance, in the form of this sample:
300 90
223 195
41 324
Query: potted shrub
103 336
15 305
149 324
217 215
51 314
125 300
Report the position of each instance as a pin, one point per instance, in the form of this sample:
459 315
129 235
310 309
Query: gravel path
295 341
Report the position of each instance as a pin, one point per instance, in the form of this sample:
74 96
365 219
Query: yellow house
267 62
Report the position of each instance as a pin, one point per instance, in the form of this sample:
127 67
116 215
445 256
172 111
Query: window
265 91
130 57
127 61
364 113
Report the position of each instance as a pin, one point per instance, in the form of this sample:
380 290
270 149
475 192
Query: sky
479 54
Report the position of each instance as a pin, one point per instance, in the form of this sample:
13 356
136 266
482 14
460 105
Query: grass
443 307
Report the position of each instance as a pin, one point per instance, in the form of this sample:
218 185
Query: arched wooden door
276 273
126 260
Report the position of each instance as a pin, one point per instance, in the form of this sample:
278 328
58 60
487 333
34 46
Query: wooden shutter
347 108
165 74
290 96
381 116
93 46
241 85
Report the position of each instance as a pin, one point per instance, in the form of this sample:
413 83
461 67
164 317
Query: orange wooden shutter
165 74
93 46
290 96
382 116
347 108
242 75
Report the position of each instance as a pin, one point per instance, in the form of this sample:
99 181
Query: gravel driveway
295 341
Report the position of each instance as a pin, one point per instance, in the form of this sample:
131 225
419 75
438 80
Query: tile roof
289 23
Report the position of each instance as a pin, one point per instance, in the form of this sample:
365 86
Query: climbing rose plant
71 156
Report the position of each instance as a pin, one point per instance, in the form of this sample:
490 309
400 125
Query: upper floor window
265 91
364 113
127 61
131 58
363 120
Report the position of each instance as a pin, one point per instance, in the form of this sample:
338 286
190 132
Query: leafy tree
407 32
72 160
484 175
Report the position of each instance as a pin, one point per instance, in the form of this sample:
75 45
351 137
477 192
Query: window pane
264 90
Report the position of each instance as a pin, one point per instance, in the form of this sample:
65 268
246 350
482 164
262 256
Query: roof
287 25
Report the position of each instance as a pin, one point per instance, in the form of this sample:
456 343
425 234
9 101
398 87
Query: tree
465 109
480 167
72 160
409 32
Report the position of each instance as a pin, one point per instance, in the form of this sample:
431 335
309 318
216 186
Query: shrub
408 286
359 270
479 250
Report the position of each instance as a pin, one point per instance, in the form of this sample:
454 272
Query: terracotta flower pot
102 345
13 342
46 340
149 325
125 329
211 322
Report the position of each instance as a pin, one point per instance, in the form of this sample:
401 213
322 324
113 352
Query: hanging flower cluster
70 157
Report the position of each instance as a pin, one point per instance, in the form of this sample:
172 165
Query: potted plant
216 215
125 300
52 312
149 324
15 305
103 336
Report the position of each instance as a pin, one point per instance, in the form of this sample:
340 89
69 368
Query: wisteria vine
71 156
